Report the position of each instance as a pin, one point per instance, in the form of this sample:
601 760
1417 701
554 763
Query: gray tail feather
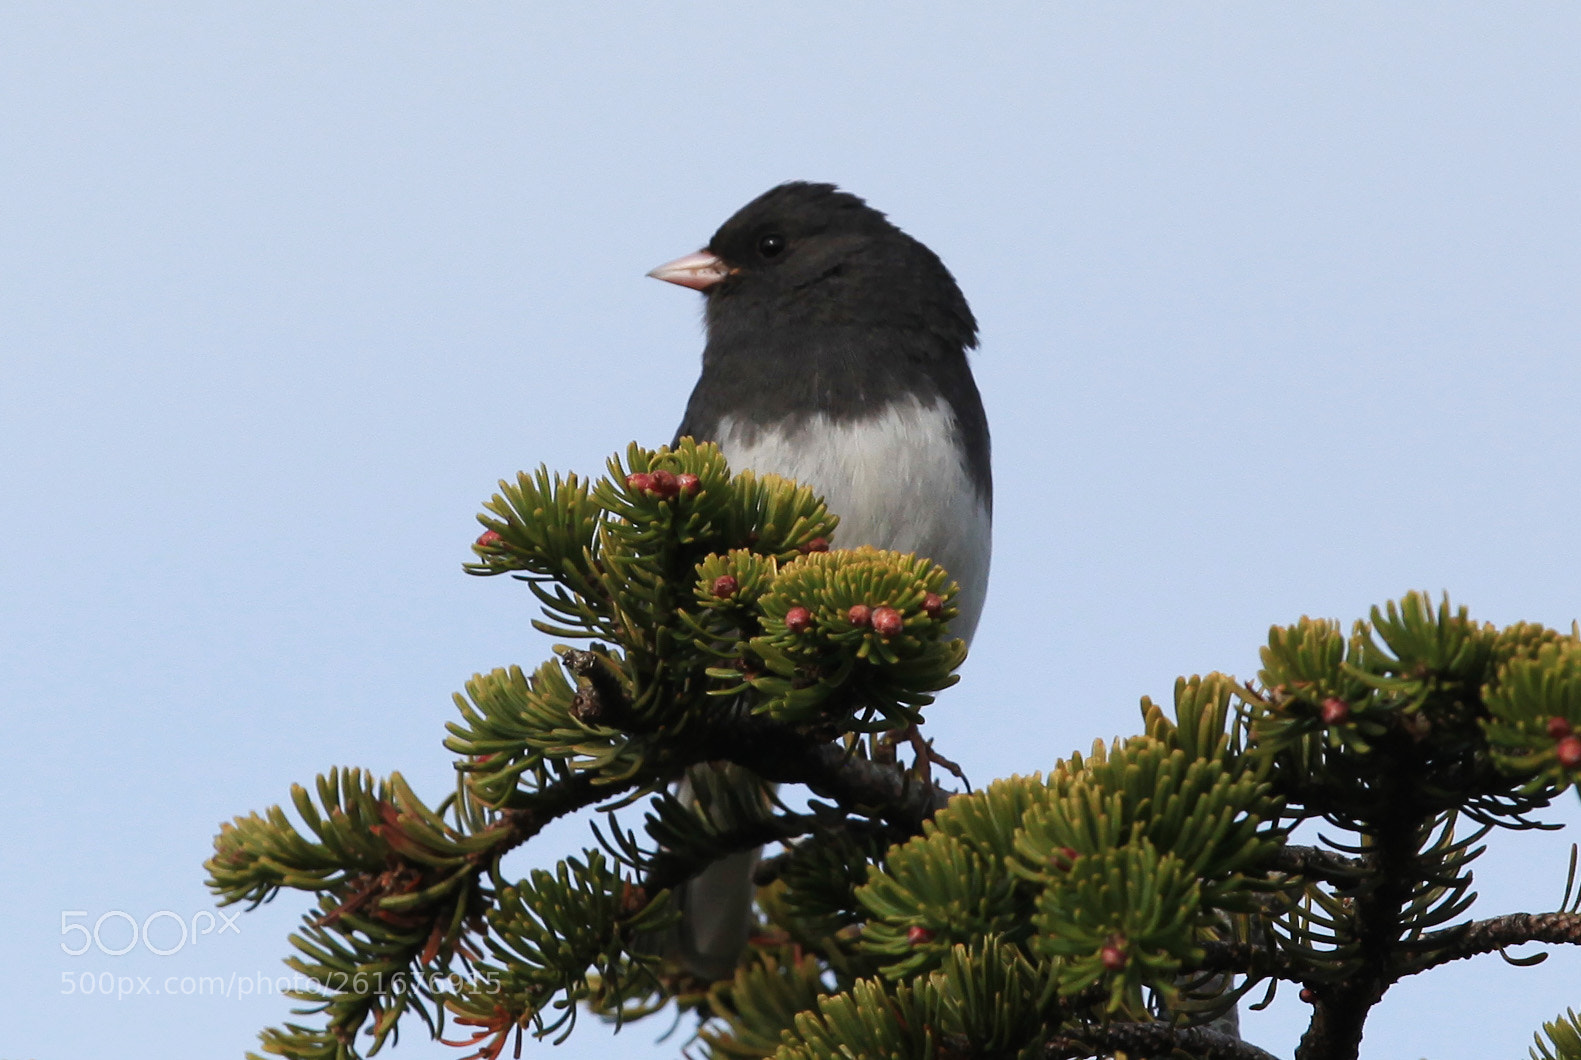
715 905
716 917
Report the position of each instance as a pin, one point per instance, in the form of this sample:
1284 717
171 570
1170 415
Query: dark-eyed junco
836 356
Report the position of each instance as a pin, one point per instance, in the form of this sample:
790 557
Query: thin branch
773 750
1149 1039
670 868
1248 959
539 808
857 828
1319 864
1492 935
783 754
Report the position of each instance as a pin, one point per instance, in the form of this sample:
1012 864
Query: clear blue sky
1280 316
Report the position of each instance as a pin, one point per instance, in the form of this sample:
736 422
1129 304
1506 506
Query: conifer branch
1340 1009
1145 872
1152 1039
1250 959
770 868
568 795
670 869
1315 863
785 755
774 750
1492 935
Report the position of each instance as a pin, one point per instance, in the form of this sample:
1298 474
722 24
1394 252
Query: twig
773 750
670 868
1249 959
1149 1039
1318 864
1492 935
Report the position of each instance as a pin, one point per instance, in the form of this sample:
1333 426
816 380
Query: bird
836 354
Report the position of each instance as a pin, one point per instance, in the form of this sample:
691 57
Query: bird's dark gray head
819 310
813 255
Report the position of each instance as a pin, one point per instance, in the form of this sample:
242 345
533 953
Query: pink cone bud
887 621
1335 711
640 480
1113 956
489 539
724 586
932 604
797 619
859 615
687 483
665 484
918 936
1568 751
817 544
1558 728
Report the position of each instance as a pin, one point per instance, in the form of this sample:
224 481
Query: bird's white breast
897 480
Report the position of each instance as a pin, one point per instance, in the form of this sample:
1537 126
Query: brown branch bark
1150 1039
1247 959
1489 936
670 868
771 749
1318 864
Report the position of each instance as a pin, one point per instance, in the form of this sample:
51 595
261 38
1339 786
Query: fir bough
1119 904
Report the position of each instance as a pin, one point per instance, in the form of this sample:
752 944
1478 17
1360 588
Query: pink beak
698 271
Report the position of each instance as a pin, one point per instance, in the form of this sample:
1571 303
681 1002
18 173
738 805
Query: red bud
1335 711
1558 728
859 615
633 899
1568 751
933 603
918 936
687 483
489 539
1064 858
1112 956
817 544
1308 994
724 586
887 621
640 480
797 619
665 484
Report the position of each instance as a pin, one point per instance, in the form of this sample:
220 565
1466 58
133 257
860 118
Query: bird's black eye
771 244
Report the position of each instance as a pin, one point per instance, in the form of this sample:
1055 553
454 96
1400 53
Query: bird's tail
716 916
716 904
